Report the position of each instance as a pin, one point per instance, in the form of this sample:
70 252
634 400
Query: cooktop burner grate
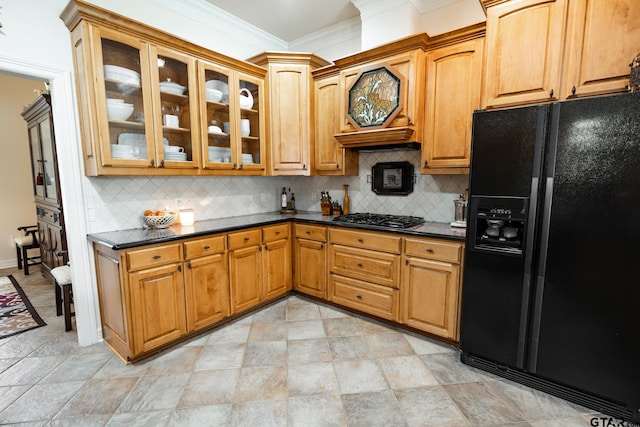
380 220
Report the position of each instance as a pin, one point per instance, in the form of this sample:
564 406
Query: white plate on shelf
218 133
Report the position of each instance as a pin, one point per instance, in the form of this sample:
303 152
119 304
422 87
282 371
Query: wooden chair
64 293
23 244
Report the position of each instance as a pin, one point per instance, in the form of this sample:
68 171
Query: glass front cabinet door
231 125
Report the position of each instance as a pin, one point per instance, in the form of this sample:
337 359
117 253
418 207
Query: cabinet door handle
361 240
430 250
308 232
246 239
240 167
277 233
207 247
189 265
157 256
406 262
266 247
573 90
162 163
304 166
180 268
359 297
337 165
235 166
260 248
359 264
551 93
321 245
153 162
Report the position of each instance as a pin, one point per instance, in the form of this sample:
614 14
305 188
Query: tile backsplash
118 202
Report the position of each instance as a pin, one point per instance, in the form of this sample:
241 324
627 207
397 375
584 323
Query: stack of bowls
174 153
213 95
122 151
121 75
136 140
219 154
172 87
220 86
117 109
247 158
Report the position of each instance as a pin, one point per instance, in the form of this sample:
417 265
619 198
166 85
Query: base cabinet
206 271
430 290
245 269
158 306
310 269
277 261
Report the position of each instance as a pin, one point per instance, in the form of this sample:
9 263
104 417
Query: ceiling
289 19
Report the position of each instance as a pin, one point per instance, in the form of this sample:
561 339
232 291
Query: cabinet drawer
378 267
201 247
152 256
244 239
367 297
276 232
375 241
311 232
433 249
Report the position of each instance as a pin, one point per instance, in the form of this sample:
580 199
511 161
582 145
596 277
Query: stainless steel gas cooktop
380 220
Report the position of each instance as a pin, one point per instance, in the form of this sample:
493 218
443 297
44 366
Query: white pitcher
246 101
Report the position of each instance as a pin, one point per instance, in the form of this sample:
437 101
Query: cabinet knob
157 257
240 167
308 232
426 163
321 245
361 240
260 248
246 239
180 268
162 163
235 166
277 233
153 162
573 90
430 250
337 165
207 247
551 93
189 265
266 247
359 264
406 262
359 297
304 166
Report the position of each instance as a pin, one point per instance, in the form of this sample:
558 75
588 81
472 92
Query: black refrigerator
551 291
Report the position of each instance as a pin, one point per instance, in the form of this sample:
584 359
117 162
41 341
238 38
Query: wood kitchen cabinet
330 157
430 290
276 260
206 281
245 269
234 151
542 50
523 52
405 60
310 260
454 78
602 39
290 110
157 74
365 271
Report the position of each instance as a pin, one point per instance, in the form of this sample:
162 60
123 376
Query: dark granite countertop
124 239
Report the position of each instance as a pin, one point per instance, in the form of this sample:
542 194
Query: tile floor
295 363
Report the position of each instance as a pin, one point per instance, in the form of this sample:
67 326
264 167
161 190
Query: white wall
16 191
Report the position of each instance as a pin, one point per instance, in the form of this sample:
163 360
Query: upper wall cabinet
548 50
381 94
290 110
523 51
454 76
139 92
330 157
603 36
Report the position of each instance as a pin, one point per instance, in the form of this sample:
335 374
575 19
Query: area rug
16 312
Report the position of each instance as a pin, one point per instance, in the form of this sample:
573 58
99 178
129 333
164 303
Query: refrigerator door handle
544 239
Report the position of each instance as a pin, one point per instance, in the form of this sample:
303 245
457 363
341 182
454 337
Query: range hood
391 137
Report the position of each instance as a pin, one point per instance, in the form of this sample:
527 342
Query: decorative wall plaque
374 98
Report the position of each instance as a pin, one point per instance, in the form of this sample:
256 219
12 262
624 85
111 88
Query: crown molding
222 21
329 36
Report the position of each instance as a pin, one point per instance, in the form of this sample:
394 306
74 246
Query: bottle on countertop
283 199
345 200
293 201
